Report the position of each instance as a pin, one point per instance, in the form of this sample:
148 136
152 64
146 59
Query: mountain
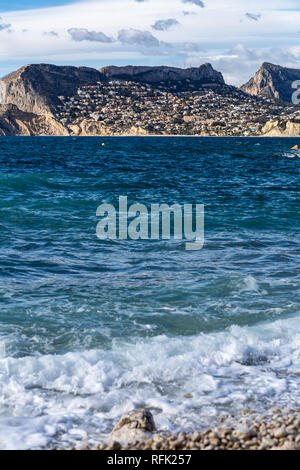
45 99
204 74
36 88
273 81
13 121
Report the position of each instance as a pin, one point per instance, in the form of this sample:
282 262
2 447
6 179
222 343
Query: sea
91 329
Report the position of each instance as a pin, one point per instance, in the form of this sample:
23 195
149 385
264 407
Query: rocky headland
44 99
279 128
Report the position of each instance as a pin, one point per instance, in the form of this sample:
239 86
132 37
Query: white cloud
199 3
135 37
3 25
164 25
121 32
83 34
46 33
240 63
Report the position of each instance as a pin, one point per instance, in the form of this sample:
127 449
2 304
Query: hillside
121 107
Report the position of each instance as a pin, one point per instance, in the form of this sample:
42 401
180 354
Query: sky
235 36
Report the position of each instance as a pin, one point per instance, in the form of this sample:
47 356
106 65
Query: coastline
105 136
277 430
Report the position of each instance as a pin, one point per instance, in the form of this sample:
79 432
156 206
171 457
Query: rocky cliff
36 88
86 128
280 129
273 81
203 74
13 121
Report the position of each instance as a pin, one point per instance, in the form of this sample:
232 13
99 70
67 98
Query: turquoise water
90 329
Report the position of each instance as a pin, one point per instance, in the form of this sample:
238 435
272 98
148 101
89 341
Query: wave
60 400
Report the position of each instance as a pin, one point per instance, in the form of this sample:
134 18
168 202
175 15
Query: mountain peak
273 81
269 65
36 87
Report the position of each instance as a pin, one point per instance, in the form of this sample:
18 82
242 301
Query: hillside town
119 106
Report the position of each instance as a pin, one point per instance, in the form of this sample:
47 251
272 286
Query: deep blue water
91 328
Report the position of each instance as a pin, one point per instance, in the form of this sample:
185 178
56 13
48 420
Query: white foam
63 399
2 349
251 284
292 155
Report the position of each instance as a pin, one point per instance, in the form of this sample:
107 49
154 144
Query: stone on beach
135 425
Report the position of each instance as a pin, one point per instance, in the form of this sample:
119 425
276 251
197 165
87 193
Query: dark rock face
204 74
36 88
273 81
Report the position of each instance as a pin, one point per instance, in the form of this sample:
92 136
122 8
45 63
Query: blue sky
30 4
235 36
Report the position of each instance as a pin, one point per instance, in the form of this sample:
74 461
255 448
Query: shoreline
155 136
279 430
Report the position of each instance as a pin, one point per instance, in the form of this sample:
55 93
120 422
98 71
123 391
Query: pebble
278 432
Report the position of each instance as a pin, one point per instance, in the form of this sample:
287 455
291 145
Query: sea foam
60 400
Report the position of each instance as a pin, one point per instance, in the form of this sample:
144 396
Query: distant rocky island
44 99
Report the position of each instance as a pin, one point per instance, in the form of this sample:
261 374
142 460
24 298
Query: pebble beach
278 431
